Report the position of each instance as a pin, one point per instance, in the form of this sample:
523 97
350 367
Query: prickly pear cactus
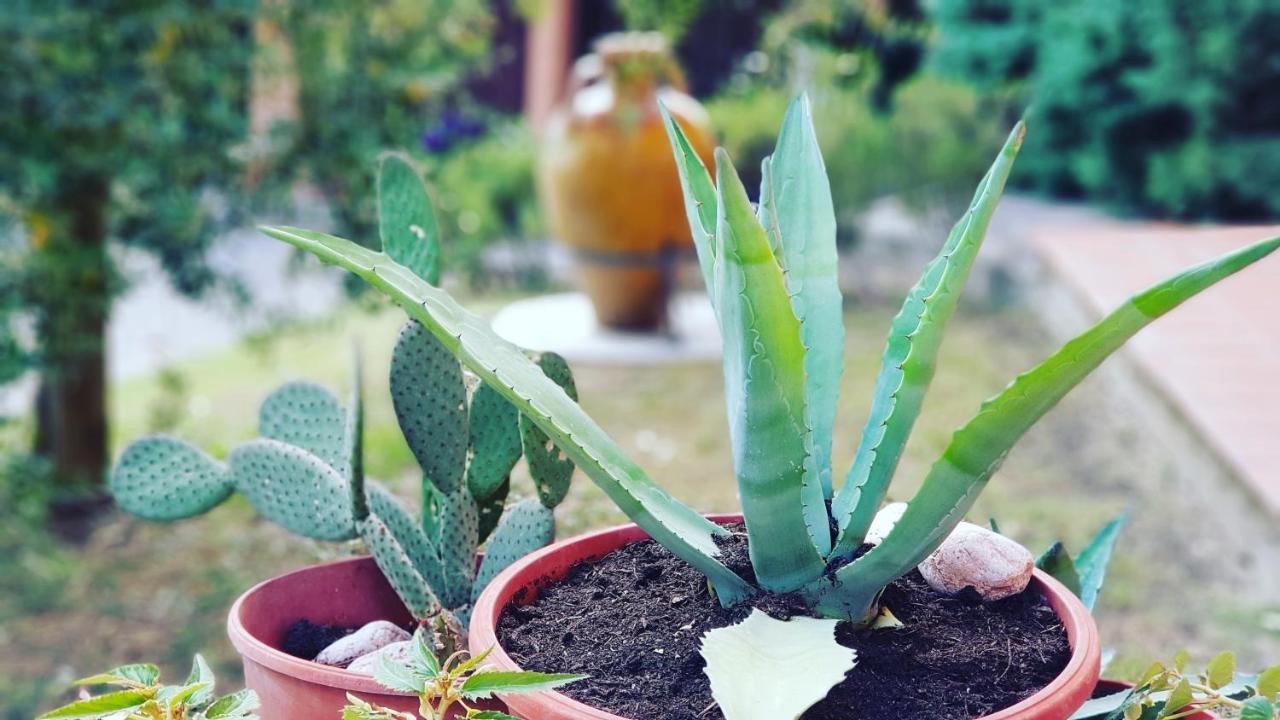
307 416
550 468
526 526
294 489
430 400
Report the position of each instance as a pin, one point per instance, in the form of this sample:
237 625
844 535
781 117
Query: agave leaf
797 212
1092 562
764 382
355 437
1058 563
406 219
766 669
977 448
911 355
699 199
501 364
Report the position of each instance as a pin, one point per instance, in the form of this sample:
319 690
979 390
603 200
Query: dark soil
305 639
634 619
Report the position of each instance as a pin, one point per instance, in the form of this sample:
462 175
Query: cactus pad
526 526
355 439
550 469
430 401
408 535
406 220
397 568
494 429
491 508
459 533
310 417
294 489
164 478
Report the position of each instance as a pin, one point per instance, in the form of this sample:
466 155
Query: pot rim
1085 661
253 648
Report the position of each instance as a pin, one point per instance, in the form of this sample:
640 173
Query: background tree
1154 107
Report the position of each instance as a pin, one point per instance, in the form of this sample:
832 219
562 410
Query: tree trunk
73 300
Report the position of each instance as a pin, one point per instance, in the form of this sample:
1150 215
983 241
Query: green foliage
672 18
1148 106
145 698
752 283
1084 574
1168 691
445 688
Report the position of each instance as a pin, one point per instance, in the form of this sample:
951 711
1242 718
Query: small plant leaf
163 478
482 684
1180 660
201 673
398 677
294 489
1269 683
135 675
180 698
1091 564
1102 707
423 660
236 706
1059 564
1221 670
308 416
406 218
430 400
1179 697
489 715
766 669
97 707
1257 708
526 526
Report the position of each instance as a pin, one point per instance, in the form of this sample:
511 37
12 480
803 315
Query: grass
140 591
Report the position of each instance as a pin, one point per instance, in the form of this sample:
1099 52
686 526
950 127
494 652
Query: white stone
373 636
973 556
884 521
396 652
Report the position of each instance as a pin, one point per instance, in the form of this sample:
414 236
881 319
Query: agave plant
306 471
771 275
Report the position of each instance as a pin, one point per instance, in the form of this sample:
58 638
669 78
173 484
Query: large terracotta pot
345 593
609 183
1055 701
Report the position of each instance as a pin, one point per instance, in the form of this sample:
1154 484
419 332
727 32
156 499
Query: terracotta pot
346 593
1106 687
609 184
1056 701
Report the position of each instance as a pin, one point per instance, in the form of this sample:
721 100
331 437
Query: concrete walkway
1217 358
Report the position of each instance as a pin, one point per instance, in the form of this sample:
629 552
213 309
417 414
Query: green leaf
1221 670
1257 708
355 437
1101 707
977 448
399 569
797 212
1180 660
911 355
525 527
1059 564
164 478
764 377
459 538
677 527
308 416
1180 697
483 683
179 698
489 715
399 677
407 532
1092 562
1269 683
699 199
549 468
423 660
99 706
406 218
201 673
134 675
294 489
236 706
766 669
494 439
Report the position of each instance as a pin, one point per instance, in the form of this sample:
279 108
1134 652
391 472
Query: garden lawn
140 591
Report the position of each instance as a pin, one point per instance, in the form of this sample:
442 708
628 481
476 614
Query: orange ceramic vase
608 181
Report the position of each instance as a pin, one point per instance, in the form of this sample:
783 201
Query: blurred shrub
484 192
929 150
1150 106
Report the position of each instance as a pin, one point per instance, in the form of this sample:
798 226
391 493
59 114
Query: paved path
1216 358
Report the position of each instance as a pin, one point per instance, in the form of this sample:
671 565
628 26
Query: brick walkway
1216 358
